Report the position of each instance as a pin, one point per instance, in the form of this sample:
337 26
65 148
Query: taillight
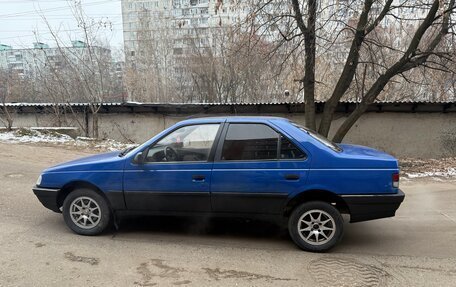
395 180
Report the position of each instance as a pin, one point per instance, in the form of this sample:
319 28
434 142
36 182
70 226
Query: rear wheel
315 226
86 212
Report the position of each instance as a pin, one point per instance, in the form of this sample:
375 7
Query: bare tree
8 83
233 67
372 60
81 73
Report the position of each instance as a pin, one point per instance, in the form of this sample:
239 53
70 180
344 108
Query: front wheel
315 226
86 212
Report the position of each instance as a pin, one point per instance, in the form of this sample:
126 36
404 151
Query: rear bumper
47 197
368 207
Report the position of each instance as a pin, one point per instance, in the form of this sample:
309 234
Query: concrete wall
403 134
46 120
420 135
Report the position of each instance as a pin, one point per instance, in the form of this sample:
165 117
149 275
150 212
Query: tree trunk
9 118
341 87
95 125
348 72
402 65
10 123
309 68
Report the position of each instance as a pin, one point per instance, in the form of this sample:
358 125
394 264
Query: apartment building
28 62
183 24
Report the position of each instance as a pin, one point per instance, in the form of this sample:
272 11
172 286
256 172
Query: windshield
319 138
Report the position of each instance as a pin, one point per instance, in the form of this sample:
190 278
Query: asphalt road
416 248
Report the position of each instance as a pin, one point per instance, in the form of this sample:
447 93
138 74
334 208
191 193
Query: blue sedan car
230 166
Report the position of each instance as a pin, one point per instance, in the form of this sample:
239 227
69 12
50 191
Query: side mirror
139 158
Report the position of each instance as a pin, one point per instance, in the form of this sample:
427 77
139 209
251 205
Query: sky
20 18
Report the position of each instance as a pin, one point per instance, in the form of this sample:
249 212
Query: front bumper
373 206
47 197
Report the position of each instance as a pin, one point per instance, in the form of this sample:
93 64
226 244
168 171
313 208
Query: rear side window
250 142
289 151
319 138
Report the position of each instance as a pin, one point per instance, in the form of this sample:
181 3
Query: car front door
255 170
175 174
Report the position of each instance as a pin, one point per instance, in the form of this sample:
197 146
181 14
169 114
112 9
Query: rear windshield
319 138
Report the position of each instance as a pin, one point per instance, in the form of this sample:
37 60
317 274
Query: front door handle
291 177
198 178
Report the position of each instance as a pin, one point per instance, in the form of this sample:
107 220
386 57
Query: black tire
104 211
308 239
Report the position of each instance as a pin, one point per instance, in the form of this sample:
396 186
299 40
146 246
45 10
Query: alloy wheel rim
85 212
316 227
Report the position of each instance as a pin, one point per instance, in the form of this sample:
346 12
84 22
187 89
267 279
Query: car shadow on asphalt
203 227
236 231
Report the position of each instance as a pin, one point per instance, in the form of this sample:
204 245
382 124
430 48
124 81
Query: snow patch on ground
444 168
24 135
32 136
449 173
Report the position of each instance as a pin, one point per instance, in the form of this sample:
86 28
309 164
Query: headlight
38 181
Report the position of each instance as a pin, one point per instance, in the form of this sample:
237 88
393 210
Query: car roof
230 119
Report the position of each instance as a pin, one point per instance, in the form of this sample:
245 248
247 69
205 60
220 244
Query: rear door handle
291 177
197 177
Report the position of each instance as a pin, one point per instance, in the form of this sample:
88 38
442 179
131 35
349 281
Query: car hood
104 161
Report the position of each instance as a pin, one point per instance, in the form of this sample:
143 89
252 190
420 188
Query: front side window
250 142
189 143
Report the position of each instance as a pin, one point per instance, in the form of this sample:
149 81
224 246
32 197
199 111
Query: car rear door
176 172
255 169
